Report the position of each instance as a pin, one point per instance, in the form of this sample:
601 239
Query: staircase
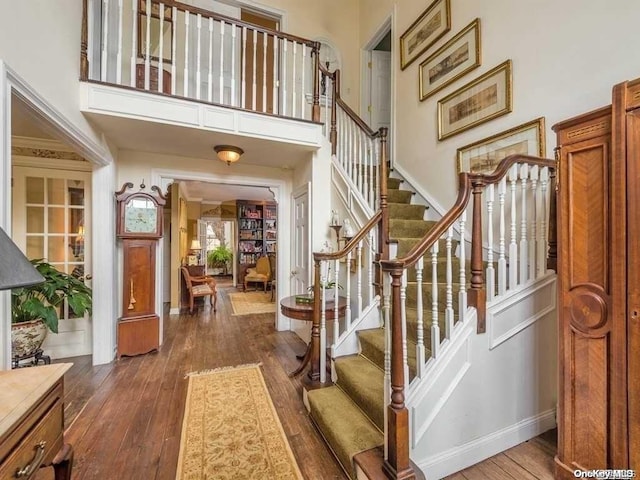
350 414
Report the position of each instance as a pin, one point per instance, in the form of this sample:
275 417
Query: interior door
380 115
300 261
51 221
259 73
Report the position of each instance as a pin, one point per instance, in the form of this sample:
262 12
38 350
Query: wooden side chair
200 287
260 274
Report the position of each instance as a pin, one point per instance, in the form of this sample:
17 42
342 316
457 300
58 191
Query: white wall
567 55
40 41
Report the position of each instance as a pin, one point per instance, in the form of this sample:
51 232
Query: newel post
552 257
315 109
477 294
314 370
397 464
84 42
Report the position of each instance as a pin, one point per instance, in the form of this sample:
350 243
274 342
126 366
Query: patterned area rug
231 429
247 303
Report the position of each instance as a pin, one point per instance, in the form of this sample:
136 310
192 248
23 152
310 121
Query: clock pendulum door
139 326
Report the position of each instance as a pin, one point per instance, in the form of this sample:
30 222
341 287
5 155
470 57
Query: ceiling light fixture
228 153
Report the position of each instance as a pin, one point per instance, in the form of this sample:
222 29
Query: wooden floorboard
124 419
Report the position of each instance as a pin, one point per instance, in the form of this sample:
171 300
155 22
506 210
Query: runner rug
231 429
247 303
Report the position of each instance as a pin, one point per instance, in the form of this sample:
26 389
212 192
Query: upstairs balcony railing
183 51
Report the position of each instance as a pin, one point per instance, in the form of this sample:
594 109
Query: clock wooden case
139 225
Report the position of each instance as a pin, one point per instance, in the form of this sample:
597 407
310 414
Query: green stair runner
350 414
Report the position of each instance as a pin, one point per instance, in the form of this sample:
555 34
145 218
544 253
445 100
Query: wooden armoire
599 286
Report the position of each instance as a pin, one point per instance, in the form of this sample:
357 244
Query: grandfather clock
139 226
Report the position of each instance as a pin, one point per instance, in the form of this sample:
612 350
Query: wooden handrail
352 243
356 119
237 22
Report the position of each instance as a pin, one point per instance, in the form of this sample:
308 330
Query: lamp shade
228 153
15 269
195 244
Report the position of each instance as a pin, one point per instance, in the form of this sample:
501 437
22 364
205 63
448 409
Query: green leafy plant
220 257
44 300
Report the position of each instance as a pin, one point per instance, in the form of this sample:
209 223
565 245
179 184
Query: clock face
140 216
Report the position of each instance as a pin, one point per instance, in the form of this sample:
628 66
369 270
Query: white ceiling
217 193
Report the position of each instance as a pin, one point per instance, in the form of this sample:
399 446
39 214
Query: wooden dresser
599 287
32 422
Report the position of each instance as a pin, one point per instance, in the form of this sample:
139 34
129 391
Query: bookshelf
257 231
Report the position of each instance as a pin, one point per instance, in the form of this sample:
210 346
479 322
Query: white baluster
276 40
265 42
533 235
347 312
198 54
234 101
420 350
255 72
134 42
284 76
147 46
462 294
336 318
174 49
448 317
359 276
120 34
513 245
185 90
210 72
524 245
105 39
323 323
221 86
373 177
302 71
403 305
435 326
370 263
502 261
243 73
161 51
294 79
491 274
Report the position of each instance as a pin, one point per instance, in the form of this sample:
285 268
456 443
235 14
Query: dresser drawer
40 444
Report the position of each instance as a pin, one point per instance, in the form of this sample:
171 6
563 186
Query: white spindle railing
523 198
182 50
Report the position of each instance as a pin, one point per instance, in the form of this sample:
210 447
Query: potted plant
220 258
35 309
329 289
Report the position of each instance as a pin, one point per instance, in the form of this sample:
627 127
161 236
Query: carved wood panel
139 277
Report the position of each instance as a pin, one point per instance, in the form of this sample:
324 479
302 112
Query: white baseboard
174 311
459 458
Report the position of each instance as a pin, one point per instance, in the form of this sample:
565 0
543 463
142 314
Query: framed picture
485 155
486 97
434 22
454 59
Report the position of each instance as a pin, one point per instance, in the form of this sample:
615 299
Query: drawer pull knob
28 470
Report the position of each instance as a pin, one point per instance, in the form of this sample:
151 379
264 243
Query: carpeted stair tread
346 429
372 347
364 383
393 183
406 244
406 211
399 196
409 228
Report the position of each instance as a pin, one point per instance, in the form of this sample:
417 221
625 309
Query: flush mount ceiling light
228 153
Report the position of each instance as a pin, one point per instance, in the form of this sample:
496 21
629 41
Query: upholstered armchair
260 274
200 287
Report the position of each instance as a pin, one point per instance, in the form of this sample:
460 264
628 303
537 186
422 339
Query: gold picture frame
484 155
432 24
452 61
485 98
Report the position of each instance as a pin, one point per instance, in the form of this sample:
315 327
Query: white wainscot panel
509 317
275 128
218 118
133 104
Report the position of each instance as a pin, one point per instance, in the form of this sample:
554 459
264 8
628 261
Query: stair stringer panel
488 392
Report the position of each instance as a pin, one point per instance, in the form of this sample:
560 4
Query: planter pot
27 337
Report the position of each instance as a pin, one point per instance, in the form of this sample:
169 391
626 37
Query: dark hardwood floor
124 419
